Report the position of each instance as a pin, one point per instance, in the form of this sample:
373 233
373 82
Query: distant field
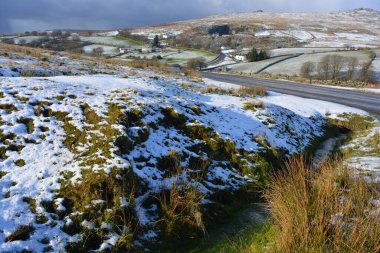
253 67
293 66
27 39
112 41
107 50
301 50
185 55
175 56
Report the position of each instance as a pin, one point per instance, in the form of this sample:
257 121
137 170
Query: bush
196 63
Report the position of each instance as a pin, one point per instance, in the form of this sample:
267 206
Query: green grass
133 42
207 53
251 239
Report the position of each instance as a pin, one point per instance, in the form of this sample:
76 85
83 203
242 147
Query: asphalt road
365 101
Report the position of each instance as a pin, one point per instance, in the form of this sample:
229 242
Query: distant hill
359 27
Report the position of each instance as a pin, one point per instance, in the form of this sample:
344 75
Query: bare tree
75 37
352 63
307 70
324 68
366 73
337 64
97 51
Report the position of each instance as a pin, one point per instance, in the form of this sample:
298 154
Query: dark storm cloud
21 15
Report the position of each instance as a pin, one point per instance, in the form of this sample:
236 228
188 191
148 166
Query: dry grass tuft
323 211
181 204
241 92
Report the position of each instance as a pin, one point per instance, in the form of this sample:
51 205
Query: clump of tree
307 70
197 63
156 41
256 55
338 68
98 51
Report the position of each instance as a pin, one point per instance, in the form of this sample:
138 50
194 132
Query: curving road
365 101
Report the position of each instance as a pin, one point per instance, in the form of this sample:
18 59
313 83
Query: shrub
196 63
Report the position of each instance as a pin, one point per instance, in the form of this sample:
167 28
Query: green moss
353 122
48 205
132 118
20 162
8 136
61 116
200 132
172 118
3 153
22 233
44 128
29 123
2 174
125 144
170 164
253 106
60 97
90 115
196 110
41 219
100 186
9 108
32 204
74 137
16 148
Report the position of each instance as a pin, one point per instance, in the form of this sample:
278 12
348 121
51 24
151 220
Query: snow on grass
131 124
46 158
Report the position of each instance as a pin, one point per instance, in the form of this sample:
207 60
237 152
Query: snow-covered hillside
357 27
88 161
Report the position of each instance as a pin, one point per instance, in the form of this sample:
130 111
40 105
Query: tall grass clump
323 210
251 92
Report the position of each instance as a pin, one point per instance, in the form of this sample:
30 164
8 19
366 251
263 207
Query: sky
29 15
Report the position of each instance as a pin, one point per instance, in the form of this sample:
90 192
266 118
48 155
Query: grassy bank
327 210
